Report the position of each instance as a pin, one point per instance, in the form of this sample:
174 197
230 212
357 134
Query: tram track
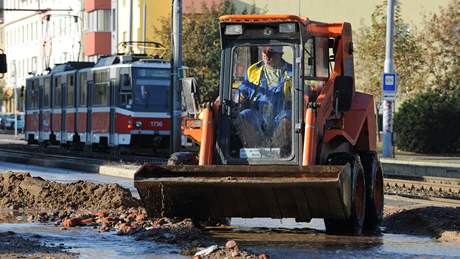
437 189
98 158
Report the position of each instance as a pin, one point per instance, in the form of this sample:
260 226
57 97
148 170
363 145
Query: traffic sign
389 86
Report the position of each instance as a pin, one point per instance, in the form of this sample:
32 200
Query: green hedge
429 123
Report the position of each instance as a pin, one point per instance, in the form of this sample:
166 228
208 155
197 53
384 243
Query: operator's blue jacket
255 89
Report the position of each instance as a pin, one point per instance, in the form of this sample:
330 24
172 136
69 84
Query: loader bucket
201 192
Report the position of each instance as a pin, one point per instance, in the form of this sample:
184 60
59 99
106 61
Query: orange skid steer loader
288 136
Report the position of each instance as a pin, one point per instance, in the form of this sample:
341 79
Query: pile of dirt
439 222
15 246
22 191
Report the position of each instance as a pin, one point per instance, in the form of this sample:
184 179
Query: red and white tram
119 101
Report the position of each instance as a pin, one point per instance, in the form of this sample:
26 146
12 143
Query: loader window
316 65
261 93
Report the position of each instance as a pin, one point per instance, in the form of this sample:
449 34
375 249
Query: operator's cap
273 49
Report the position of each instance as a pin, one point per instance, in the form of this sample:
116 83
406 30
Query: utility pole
145 25
130 49
15 100
177 76
389 86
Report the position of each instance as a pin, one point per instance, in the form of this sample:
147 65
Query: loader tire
354 224
374 191
183 158
211 222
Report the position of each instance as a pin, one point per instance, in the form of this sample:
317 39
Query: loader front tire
354 224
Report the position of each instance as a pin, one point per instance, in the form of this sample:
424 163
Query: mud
15 246
442 223
22 191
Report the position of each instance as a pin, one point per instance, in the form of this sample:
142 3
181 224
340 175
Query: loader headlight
233 29
138 124
287 27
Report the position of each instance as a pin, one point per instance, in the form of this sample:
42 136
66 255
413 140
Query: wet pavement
278 238
88 243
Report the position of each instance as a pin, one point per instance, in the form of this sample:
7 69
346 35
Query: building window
98 20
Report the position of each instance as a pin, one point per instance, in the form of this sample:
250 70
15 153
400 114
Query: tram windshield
151 89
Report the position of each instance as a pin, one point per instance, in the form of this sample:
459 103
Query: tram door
41 95
113 105
63 109
89 125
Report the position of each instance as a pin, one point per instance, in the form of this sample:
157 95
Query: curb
420 169
82 165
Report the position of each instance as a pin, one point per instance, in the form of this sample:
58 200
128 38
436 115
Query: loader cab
261 92
270 70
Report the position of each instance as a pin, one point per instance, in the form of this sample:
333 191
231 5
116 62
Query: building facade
36 40
358 13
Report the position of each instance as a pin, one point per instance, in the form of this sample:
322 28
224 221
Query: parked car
2 121
7 121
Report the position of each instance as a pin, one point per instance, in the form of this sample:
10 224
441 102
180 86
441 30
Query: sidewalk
421 165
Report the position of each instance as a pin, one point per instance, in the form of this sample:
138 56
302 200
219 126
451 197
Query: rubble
105 207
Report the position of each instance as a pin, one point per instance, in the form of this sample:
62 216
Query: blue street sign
389 86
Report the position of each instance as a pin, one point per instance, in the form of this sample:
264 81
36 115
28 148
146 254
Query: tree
429 122
201 45
370 55
441 47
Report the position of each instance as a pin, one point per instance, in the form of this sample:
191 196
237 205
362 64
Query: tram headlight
138 124
130 124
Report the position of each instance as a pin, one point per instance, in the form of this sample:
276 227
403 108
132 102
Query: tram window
46 94
126 96
101 88
151 89
70 91
83 89
57 92
125 82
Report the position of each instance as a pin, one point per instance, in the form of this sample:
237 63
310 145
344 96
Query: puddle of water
289 223
287 238
91 244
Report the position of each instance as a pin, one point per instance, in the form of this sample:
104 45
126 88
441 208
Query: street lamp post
177 76
388 85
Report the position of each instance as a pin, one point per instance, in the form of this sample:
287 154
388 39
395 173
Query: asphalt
404 163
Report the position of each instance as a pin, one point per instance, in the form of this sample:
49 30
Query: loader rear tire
183 158
374 192
354 224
